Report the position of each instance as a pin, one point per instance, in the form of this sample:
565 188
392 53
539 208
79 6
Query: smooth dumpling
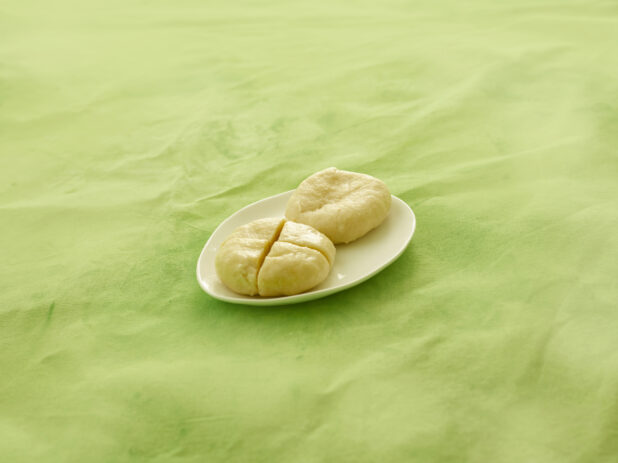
343 205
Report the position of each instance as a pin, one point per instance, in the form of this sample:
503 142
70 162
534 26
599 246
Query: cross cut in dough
274 257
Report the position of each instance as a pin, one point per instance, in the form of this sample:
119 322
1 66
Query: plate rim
302 297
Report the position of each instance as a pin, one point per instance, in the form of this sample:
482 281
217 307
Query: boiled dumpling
343 205
274 257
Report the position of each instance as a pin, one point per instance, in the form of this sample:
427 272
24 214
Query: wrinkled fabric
129 130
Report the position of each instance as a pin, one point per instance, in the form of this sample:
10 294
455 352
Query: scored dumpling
274 257
305 235
291 269
241 255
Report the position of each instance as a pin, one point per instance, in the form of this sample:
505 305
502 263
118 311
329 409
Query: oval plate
354 263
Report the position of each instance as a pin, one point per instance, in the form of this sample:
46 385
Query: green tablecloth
129 130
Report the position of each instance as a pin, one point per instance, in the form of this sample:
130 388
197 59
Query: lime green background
130 129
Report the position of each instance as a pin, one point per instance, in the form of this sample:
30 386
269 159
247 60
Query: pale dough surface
239 258
305 235
274 257
343 205
290 269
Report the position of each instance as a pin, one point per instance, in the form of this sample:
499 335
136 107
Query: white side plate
354 262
